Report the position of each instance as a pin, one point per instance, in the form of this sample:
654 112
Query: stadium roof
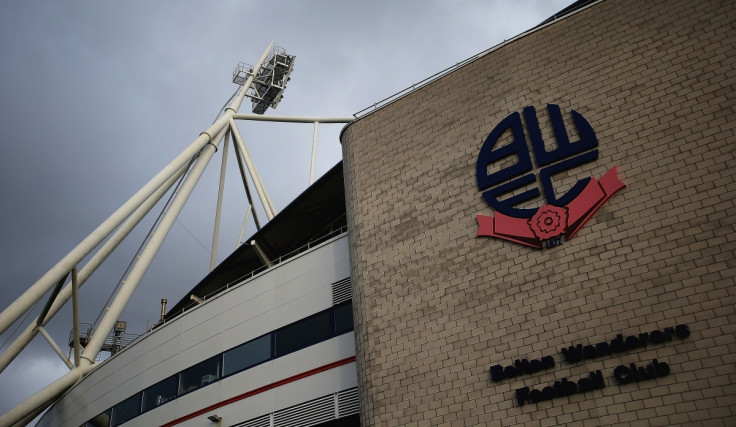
314 216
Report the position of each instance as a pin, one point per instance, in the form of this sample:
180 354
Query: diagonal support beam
146 256
55 346
203 145
265 200
261 254
97 259
245 222
50 301
251 206
47 281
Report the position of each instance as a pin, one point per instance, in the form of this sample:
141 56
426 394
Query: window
102 420
319 327
199 375
303 333
126 410
247 355
343 318
160 393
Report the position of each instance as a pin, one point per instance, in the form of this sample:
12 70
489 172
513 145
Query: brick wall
437 306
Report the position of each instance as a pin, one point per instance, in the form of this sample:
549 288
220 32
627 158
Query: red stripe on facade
259 390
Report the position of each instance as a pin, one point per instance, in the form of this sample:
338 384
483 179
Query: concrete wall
436 306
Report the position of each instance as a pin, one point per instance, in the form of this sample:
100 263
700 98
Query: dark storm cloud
97 96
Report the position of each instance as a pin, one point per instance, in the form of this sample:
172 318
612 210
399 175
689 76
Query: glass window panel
343 318
160 393
126 410
303 333
247 355
102 420
199 375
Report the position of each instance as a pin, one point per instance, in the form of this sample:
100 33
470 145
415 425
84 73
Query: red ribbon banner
579 211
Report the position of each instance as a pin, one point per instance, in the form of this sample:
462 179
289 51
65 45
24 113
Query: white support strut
119 225
55 346
265 200
97 340
107 248
75 315
205 146
47 281
146 257
292 119
314 153
242 230
218 210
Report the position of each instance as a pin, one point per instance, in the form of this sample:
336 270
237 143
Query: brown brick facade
437 306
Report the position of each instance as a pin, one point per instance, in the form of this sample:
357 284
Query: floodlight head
269 82
120 326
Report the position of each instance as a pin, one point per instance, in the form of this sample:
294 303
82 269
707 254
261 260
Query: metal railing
311 244
114 342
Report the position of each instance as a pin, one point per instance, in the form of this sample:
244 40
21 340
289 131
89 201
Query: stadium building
541 235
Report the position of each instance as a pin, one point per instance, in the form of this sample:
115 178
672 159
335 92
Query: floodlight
120 326
269 82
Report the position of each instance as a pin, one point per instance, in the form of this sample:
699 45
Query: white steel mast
257 86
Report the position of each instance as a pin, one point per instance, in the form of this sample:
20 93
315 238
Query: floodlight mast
46 282
204 147
265 87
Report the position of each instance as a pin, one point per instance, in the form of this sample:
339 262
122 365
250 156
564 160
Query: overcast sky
97 96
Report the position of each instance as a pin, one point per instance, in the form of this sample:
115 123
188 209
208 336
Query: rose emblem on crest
548 222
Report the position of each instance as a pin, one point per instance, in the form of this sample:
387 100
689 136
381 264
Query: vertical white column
314 153
218 211
75 314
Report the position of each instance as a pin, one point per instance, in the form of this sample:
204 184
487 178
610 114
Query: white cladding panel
289 291
281 397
